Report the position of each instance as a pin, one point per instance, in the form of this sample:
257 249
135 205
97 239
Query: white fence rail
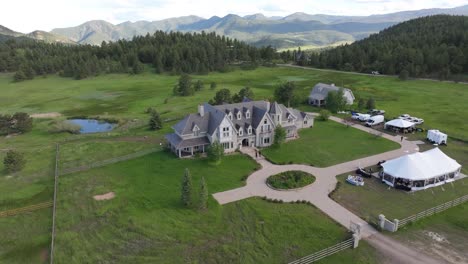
433 210
326 252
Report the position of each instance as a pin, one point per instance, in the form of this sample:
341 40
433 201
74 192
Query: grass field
376 198
328 143
146 222
125 97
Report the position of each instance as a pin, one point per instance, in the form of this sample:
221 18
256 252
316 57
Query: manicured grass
376 198
328 143
290 180
146 221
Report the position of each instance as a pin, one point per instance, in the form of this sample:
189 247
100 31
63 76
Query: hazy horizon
49 14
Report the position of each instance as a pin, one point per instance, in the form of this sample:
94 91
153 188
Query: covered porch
187 147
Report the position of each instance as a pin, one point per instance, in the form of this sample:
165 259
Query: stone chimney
201 110
268 105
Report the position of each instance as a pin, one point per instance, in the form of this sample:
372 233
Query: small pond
92 125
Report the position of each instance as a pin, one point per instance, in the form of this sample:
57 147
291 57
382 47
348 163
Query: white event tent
420 170
399 123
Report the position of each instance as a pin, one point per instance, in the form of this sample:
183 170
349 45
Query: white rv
437 137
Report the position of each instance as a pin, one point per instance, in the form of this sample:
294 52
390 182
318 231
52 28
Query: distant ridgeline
434 47
167 52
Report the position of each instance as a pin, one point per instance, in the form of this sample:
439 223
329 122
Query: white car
356 116
404 116
364 117
416 120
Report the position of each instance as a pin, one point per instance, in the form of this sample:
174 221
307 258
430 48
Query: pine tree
14 161
155 122
19 76
215 152
203 202
187 189
285 93
213 85
221 96
280 136
199 85
370 104
361 103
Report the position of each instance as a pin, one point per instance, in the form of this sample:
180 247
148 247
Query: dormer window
249 130
247 114
196 131
230 116
241 132
239 116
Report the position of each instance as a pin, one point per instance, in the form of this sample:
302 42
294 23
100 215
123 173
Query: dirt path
363 74
46 115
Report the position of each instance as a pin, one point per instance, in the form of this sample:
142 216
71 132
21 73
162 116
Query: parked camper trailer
437 137
375 120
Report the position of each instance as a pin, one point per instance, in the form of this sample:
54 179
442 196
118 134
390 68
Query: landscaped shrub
290 180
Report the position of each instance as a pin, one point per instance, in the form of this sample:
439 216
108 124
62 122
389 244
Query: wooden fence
56 175
433 211
326 252
25 209
108 161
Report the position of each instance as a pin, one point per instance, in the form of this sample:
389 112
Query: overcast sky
28 15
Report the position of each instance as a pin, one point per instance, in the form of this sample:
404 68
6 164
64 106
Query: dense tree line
434 46
172 52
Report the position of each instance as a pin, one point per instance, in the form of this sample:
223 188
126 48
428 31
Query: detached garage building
319 94
420 170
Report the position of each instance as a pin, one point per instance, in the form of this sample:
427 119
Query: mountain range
298 29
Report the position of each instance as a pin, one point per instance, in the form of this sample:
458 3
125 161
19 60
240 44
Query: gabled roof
185 126
321 90
421 165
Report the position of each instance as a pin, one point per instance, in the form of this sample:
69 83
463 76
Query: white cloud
28 15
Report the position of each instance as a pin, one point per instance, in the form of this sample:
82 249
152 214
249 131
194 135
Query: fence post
382 221
356 238
397 223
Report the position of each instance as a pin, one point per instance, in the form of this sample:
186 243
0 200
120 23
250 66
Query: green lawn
146 222
328 143
376 198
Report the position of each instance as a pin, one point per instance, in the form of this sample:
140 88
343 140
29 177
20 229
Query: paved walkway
317 193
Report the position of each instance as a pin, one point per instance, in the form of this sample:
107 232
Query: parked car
376 112
416 120
364 117
404 116
375 72
375 120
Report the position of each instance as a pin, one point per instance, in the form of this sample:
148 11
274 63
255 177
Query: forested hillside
435 46
167 52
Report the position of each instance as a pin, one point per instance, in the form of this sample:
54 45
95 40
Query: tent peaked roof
421 165
399 123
